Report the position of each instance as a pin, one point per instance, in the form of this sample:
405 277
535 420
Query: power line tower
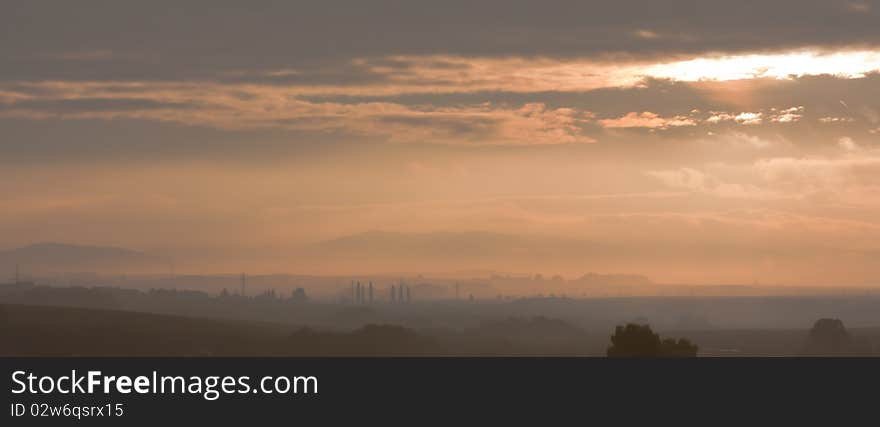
243 283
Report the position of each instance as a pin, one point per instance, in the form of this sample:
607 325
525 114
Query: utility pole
243 282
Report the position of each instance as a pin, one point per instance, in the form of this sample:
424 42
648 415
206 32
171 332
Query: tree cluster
634 340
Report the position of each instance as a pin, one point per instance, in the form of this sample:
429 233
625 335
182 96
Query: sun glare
853 64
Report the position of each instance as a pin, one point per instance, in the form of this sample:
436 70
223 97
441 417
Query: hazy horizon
66 264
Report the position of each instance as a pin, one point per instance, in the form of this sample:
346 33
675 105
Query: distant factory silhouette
397 294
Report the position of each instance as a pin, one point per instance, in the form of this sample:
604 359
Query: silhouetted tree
634 340
829 337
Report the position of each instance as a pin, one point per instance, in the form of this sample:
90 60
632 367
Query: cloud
852 177
646 34
96 105
646 119
277 36
789 115
529 124
238 106
243 108
858 6
781 65
749 118
772 115
847 174
743 140
832 119
701 182
437 73
446 73
847 144
717 117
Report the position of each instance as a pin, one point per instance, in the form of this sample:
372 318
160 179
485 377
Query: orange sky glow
742 153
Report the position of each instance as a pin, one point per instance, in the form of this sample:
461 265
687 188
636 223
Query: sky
689 141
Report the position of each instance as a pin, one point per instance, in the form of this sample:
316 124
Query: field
66 331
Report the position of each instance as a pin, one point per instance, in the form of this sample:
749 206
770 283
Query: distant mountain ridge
45 257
